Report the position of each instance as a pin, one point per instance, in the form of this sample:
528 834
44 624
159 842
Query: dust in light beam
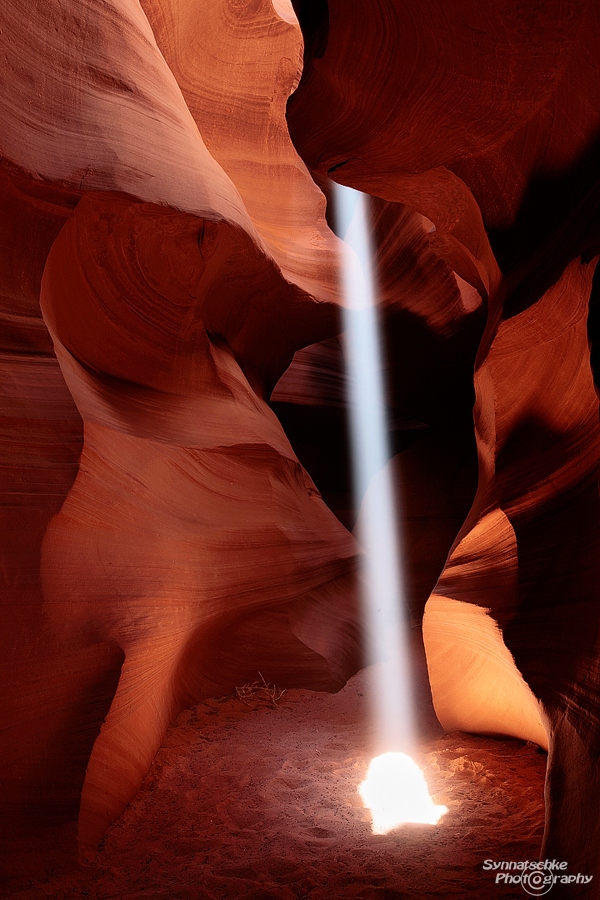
394 789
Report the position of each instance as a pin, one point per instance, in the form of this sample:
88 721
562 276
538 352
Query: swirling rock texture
166 253
181 548
480 117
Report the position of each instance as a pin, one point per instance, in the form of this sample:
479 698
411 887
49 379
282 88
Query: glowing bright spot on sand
396 792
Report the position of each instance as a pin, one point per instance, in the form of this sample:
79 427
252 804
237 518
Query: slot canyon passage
184 702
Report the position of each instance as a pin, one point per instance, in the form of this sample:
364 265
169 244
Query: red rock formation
498 148
236 73
152 195
192 538
44 743
192 549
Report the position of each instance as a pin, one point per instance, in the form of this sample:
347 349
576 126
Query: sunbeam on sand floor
258 800
396 792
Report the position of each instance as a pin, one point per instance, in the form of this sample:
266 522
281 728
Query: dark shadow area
320 438
40 802
558 221
593 328
559 573
313 16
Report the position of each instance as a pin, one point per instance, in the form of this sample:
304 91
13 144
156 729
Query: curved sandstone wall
166 259
176 545
498 147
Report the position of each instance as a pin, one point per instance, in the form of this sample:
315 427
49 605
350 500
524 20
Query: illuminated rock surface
161 541
192 549
500 153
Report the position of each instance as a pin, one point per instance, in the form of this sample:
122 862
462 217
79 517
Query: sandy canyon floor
257 800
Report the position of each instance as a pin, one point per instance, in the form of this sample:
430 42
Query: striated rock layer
182 548
497 146
192 537
166 262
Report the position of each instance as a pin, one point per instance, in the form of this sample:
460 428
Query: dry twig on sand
260 693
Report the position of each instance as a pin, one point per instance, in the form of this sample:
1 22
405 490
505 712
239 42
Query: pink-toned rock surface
192 548
500 153
192 538
166 253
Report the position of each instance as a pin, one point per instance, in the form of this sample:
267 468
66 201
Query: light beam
393 773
